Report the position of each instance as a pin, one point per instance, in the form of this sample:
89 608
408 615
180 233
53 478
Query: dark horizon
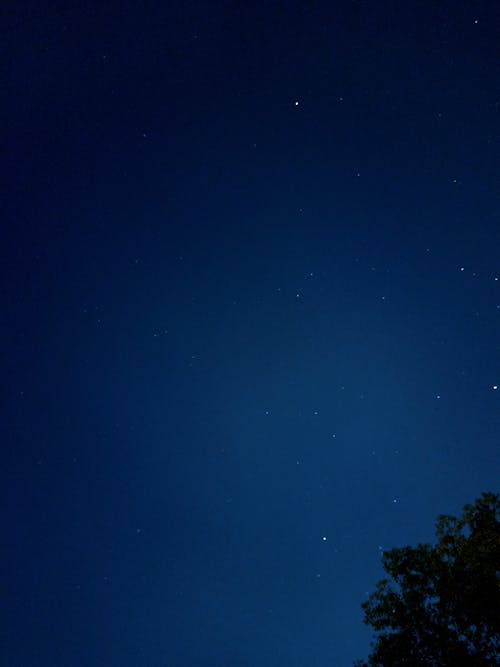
250 335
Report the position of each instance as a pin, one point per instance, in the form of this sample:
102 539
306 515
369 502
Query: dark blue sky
251 297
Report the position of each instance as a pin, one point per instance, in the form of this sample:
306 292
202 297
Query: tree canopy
440 605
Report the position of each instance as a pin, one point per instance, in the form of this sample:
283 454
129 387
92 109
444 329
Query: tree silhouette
442 607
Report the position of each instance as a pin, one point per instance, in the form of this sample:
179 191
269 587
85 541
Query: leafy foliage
440 605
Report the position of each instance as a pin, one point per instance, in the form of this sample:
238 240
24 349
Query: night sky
251 297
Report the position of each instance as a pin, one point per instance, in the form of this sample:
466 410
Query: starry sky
251 296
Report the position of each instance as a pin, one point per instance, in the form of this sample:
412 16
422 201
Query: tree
442 607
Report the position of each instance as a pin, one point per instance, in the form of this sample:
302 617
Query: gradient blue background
234 325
